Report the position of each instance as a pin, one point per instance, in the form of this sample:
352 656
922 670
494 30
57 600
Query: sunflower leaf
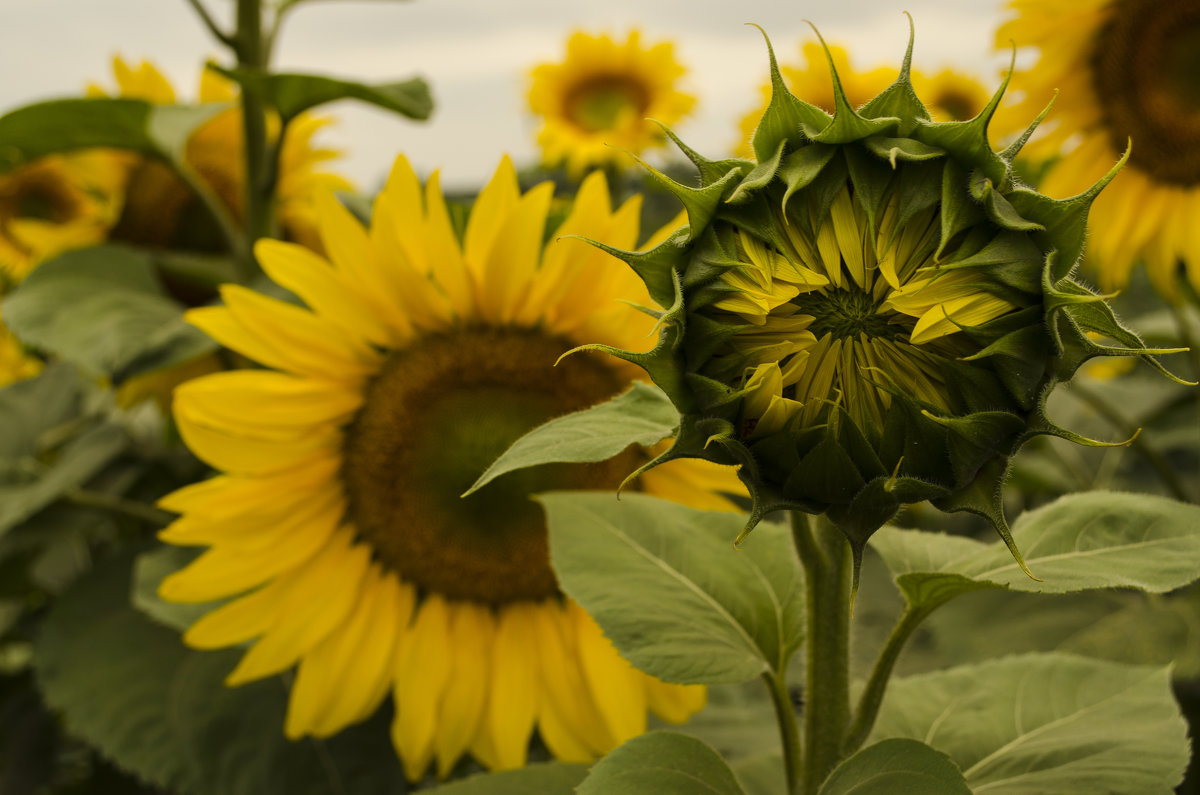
546 779
164 714
292 94
149 570
1046 723
897 765
642 415
45 128
661 763
690 607
119 314
1080 542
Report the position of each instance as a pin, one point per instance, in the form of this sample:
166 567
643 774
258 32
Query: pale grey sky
476 53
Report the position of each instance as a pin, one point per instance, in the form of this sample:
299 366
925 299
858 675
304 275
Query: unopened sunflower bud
872 312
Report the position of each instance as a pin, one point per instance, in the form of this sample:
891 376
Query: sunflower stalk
826 560
252 55
789 730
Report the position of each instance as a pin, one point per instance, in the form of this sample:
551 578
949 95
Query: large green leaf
149 570
45 128
643 415
34 406
661 763
548 779
132 690
292 94
667 586
896 767
1079 542
119 313
1046 723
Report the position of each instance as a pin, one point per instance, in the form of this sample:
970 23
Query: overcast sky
476 53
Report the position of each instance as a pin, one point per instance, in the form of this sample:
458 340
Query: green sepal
899 100
1005 259
983 498
999 209
1019 358
918 188
847 125
825 474
909 437
909 149
1040 424
701 202
959 210
976 438
821 193
1065 220
710 170
801 167
656 267
967 141
1012 150
759 178
785 115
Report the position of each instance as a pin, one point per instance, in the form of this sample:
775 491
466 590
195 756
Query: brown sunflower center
434 419
38 192
598 103
956 105
1147 76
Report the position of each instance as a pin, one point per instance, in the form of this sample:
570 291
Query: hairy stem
872 695
825 556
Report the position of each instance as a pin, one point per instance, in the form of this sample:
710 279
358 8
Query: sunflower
599 100
15 364
158 205
1127 70
53 204
949 95
337 524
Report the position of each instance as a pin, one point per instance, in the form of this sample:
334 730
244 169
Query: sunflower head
160 209
600 99
871 311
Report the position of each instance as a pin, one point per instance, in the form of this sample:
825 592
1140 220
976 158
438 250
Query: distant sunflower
1127 69
337 522
157 202
54 204
15 364
599 99
948 95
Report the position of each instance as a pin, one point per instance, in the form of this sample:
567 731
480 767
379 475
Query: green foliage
547 779
671 591
121 322
149 570
292 94
1046 723
896 767
661 763
1079 542
63 125
642 415
131 689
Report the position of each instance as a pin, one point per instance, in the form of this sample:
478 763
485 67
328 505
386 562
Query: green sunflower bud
872 312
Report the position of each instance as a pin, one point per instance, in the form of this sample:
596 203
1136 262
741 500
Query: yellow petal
568 720
422 675
462 708
614 684
320 599
513 702
674 703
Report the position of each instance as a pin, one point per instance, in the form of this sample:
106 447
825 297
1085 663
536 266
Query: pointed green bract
871 313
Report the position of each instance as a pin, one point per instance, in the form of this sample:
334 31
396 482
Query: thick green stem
252 54
825 556
872 695
789 730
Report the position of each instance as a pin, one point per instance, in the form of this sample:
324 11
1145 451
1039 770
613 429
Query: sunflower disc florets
871 312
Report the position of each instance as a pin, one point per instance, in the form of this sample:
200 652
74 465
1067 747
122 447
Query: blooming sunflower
337 523
15 364
158 204
949 95
53 204
1127 69
599 99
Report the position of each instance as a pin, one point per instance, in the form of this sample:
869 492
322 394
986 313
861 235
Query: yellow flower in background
15 364
948 95
599 99
337 523
54 204
157 202
1126 70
